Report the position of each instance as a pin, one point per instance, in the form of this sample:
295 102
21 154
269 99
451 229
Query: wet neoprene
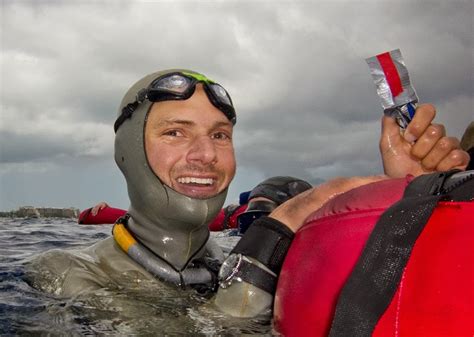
171 225
267 241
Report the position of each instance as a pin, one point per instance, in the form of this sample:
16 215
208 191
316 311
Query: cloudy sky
305 100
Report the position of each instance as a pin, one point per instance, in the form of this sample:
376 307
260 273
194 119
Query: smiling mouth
196 181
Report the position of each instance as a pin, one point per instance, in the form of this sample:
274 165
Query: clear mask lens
220 93
175 83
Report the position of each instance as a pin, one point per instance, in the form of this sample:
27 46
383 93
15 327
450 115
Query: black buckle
127 112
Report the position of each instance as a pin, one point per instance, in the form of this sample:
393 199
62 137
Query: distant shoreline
41 212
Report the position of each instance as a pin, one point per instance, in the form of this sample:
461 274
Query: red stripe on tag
391 73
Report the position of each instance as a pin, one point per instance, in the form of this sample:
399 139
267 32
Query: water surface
163 311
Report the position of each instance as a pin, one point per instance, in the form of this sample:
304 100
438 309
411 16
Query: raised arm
262 249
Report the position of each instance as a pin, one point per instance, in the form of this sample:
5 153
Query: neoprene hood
172 225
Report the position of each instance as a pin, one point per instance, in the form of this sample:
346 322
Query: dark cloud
48 147
296 71
28 148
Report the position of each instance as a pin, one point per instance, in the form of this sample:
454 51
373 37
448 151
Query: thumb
390 127
390 134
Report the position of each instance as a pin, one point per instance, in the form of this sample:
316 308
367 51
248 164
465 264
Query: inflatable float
433 298
107 215
226 219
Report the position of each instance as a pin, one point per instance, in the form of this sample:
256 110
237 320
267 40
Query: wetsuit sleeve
260 254
64 274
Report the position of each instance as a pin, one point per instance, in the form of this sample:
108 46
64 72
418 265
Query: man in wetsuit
174 146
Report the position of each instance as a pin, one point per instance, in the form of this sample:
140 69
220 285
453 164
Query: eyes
173 133
221 136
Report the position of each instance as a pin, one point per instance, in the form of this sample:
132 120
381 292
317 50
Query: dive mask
180 86
255 210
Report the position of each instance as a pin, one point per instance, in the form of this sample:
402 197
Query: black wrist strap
267 240
258 277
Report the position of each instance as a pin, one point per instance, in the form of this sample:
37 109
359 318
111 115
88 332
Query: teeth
193 180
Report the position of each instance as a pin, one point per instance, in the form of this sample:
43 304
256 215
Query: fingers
424 115
433 141
430 145
440 153
456 159
100 206
437 152
95 210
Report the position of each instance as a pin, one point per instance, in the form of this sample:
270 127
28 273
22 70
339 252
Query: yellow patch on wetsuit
123 237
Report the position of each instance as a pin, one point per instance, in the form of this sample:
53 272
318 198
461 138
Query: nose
202 151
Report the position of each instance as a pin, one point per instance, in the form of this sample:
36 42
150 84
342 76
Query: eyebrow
221 124
167 122
184 122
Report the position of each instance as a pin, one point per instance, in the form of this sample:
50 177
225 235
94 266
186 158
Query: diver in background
267 196
174 146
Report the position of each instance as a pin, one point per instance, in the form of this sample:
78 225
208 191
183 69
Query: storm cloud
305 101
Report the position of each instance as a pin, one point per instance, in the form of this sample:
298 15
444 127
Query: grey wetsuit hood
170 224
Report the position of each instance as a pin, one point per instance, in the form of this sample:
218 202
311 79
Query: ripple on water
26 311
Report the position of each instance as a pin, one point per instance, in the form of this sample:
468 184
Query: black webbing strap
376 276
127 112
267 240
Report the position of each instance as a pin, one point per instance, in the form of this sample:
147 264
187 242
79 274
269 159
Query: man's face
189 145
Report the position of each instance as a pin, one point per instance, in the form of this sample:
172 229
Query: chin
196 193
202 195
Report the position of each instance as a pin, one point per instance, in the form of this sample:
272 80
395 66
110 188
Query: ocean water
28 312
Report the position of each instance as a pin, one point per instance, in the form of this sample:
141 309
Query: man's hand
97 208
295 211
422 148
